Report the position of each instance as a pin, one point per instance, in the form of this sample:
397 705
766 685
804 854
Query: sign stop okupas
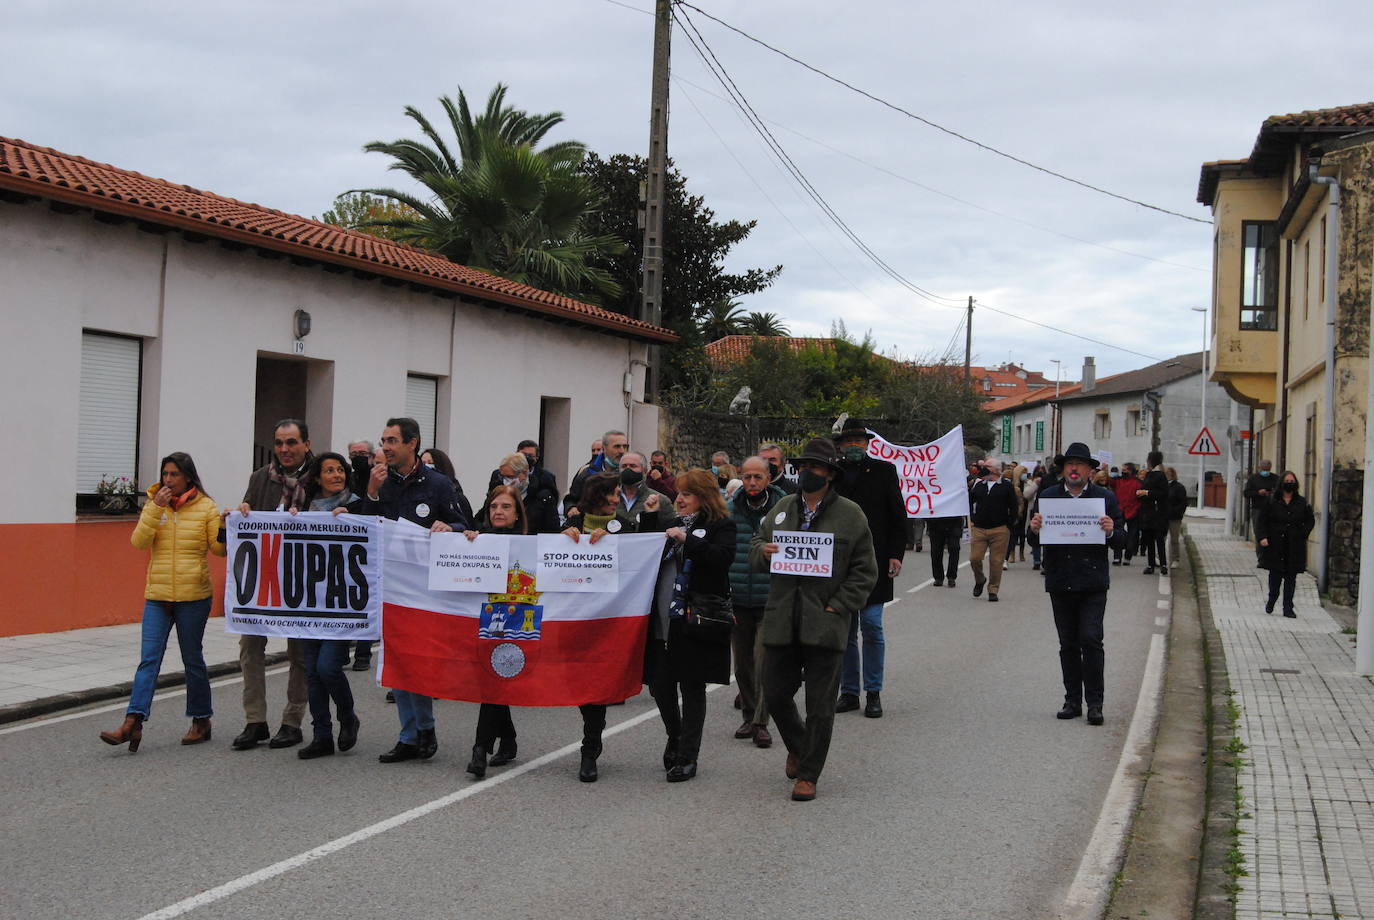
931 475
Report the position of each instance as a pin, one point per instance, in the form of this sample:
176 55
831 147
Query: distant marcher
724 473
436 459
946 534
1029 489
1259 488
614 444
1284 523
538 483
718 459
538 499
360 460
749 588
992 511
180 524
1018 477
660 477
1125 486
777 467
1154 513
1178 507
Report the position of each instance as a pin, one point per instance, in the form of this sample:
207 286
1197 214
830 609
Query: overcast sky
272 102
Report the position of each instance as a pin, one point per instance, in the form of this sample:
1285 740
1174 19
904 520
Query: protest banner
459 564
303 576
931 475
1072 521
581 566
803 553
530 644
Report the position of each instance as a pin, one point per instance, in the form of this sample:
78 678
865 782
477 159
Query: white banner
459 564
803 553
931 475
582 566
1072 521
304 576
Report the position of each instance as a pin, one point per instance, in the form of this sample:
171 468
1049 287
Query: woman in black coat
1281 529
701 547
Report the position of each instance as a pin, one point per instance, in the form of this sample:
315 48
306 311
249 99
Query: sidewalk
1307 722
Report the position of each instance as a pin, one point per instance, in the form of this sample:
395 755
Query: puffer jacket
179 540
749 587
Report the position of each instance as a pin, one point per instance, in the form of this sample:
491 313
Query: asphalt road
968 799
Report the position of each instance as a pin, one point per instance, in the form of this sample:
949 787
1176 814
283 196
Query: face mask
1024 477
513 481
608 464
773 471
1290 487
715 469
854 453
722 481
631 477
811 481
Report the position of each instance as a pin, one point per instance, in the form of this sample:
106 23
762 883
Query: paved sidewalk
1307 720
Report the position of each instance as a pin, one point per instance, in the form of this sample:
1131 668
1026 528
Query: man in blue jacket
1077 578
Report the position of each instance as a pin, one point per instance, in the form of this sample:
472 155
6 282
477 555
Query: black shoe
318 747
286 736
586 771
873 708
505 752
919 548
682 772
402 751
939 582
1116 562
1125 562
1269 604
950 584
1035 567
427 743
670 754
1164 570
1094 715
1290 614
391 696
739 701
978 587
252 733
1148 570
362 664
992 598
848 702
477 766
1070 711
348 734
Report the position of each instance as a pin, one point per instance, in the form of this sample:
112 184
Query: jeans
870 619
1289 584
158 618
1078 617
1035 551
786 668
417 714
325 680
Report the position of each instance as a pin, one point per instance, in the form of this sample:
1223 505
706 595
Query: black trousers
1132 541
1078 617
944 542
1289 584
786 668
593 724
1153 541
685 724
494 721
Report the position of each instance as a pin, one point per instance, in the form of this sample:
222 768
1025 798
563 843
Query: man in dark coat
1077 578
1154 512
1259 488
992 511
873 485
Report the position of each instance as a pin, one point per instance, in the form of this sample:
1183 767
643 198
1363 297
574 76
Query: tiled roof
733 349
50 174
1146 378
1360 115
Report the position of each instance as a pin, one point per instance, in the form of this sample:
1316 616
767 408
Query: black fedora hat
1077 451
819 450
853 428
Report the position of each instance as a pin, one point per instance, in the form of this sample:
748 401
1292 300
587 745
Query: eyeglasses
392 441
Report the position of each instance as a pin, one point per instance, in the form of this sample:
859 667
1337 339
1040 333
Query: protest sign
581 566
803 553
459 564
931 475
303 576
1072 521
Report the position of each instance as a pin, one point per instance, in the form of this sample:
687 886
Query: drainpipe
1333 204
1364 641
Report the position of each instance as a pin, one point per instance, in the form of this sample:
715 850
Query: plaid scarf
292 484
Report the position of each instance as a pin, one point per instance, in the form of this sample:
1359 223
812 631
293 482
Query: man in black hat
873 485
1077 578
806 619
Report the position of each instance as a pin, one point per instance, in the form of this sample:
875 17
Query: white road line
895 600
930 581
1162 605
1165 587
1087 897
1161 621
220 892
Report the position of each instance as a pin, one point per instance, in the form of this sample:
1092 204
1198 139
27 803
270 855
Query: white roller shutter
107 433
422 402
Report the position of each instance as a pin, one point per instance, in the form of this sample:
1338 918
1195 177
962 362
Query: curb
49 704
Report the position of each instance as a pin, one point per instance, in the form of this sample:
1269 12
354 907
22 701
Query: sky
272 103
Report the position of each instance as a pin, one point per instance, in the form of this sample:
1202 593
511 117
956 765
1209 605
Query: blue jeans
158 618
416 712
325 680
870 619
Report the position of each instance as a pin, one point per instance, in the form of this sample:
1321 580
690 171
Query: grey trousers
747 640
252 650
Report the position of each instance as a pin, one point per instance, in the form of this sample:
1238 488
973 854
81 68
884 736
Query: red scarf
179 500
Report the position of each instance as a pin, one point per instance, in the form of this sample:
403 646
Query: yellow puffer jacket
178 570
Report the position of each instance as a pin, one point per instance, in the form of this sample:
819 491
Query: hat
853 428
819 450
1077 451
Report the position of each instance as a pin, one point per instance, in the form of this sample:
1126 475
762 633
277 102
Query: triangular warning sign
1205 445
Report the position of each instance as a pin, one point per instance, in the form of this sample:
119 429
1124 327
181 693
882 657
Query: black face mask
773 471
811 481
722 481
1290 487
631 477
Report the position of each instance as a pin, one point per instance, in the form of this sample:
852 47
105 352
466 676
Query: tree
764 324
928 400
361 211
501 205
722 318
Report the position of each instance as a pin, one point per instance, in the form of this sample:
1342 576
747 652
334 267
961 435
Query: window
1321 267
422 404
1102 425
1132 423
1259 275
1309 456
1306 276
107 414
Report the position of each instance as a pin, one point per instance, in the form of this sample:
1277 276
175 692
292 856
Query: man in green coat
806 620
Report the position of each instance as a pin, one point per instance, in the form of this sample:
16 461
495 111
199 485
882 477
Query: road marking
1161 621
1087 897
930 581
895 600
1164 586
1162 605
220 892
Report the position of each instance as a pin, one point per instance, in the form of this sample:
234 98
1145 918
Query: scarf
330 502
292 484
180 500
592 522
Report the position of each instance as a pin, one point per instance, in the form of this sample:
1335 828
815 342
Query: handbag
704 617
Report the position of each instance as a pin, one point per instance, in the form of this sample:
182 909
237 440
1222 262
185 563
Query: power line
926 121
1075 335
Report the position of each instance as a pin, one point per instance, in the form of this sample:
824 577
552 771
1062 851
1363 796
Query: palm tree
764 324
722 318
500 205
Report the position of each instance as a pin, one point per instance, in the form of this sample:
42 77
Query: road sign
1205 445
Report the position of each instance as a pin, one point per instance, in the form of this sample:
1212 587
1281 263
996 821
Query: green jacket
796 611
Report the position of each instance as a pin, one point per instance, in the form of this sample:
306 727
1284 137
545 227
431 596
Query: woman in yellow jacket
180 524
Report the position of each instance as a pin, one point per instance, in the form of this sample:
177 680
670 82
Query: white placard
459 564
803 553
1104 457
931 475
582 566
1072 521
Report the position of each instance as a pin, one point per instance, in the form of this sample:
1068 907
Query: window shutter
107 419
422 397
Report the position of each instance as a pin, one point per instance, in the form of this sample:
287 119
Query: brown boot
199 732
1023 554
131 732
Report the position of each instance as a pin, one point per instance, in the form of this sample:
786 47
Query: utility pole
655 191
968 340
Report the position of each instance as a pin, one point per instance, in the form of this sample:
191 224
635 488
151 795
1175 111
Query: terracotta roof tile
47 173
732 349
1360 115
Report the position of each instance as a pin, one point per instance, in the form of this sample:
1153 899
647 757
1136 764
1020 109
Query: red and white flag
522 646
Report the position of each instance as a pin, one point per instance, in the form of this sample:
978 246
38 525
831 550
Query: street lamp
1054 408
1202 458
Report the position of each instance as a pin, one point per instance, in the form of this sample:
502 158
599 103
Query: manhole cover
1279 671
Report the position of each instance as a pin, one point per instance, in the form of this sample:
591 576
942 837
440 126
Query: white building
142 317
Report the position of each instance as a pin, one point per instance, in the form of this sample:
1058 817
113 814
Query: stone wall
691 436
1343 559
